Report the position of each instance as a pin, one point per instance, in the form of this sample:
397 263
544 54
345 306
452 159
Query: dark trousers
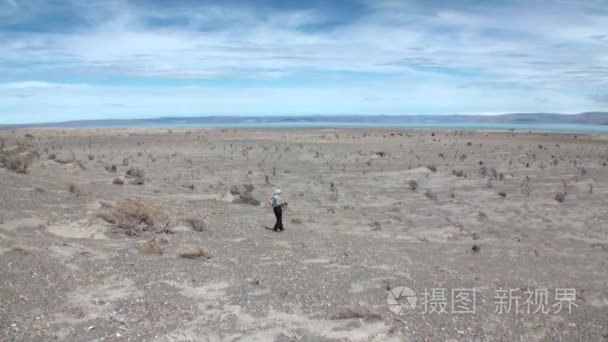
278 212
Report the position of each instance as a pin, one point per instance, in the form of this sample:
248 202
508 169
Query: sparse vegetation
136 176
413 185
357 311
136 215
458 173
195 222
77 189
153 246
193 252
119 180
333 196
430 195
18 158
246 196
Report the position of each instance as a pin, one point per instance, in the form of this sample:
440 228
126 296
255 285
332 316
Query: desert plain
163 235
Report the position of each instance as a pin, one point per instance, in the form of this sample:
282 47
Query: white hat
277 191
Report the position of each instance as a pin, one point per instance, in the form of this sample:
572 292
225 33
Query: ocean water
562 128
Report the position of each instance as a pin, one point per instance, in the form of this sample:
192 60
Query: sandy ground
68 275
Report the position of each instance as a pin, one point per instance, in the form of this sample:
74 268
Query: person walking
277 206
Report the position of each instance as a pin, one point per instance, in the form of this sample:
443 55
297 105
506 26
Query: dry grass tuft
71 160
246 196
413 185
358 311
136 215
77 189
153 246
137 176
430 195
195 222
18 158
119 180
560 196
193 252
27 249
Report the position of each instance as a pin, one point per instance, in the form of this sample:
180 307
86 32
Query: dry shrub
40 189
560 196
71 160
136 215
119 180
18 158
193 252
433 168
296 220
234 190
458 173
196 222
430 195
483 170
137 176
246 197
358 311
413 185
153 246
77 189
27 249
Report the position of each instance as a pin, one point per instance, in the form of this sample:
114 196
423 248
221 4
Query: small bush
153 246
193 252
432 168
111 168
483 170
246 197
18 158
560 196
91 157
358 311
119 180
136 215
234 190
195 222
430 195
458 173
413 185
137 176
77 189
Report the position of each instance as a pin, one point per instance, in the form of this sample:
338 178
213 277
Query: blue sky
72 59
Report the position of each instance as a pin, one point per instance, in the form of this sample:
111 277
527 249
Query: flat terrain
525 212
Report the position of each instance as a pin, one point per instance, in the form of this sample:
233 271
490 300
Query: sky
100 59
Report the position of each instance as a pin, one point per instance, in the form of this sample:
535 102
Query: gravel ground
483 218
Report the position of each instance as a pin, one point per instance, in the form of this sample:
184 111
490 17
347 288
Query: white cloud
412 54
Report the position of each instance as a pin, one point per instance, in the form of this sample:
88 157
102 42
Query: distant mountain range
589 118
